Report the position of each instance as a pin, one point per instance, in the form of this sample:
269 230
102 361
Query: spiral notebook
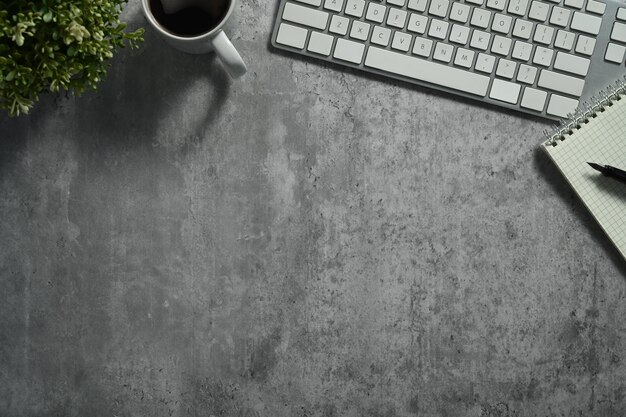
596 134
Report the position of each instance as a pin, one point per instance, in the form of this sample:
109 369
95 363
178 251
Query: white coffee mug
214 40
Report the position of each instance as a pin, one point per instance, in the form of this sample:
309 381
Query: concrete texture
305 241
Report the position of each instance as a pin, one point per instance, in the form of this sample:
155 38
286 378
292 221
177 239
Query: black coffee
191 21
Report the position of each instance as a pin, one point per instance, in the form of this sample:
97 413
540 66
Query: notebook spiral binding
598 103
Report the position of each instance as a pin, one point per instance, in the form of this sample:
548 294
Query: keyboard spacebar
427 71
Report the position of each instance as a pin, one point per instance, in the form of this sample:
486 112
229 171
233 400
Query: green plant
50 45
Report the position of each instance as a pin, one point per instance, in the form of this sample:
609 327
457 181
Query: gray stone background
305 241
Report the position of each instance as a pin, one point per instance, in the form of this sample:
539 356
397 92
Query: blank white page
603 141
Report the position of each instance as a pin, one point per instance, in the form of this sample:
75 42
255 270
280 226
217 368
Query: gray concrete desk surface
304 241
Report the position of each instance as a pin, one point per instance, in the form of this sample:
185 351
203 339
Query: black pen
610 171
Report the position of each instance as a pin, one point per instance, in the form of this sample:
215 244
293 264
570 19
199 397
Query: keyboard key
381 36
585 45
596 7
320 43
538 11
534 99
505 91
422 47
438 29
526 74
480 40
543 34
334 5
427 71
561 82
443 52
560 16
614 53
586 23
291 35
418 5
522 51
399 3
459 12
506 68
355 8
564 40
561 106
339 25
402 41
417 23
464 58
305 16
571 63
621 13
439 7
485 63
477 2
501 23
396 18
577 4
496 4
522 29
480 18
376 12
315 3
459 34
518 7
619 32
360 30
349 51
501 45
543 56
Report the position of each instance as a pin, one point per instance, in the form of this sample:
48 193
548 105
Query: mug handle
229 55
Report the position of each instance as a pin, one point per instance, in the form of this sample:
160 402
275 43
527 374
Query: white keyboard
535 56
